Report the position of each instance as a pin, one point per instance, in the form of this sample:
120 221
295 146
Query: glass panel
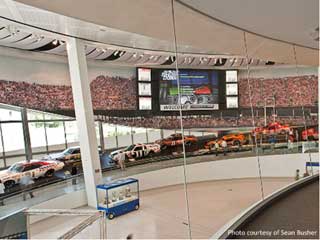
9 115
13 138
37 137
108 130
72 133
153 135
55 135
34 115
123 130
97 133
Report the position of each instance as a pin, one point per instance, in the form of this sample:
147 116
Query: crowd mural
119 93
283 92
108 93
205 121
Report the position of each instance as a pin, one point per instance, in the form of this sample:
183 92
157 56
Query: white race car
34 169
137 151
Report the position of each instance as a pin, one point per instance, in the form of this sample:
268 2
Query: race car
310 134
231 139
34 169
203 90
135 151
272 128
176 140
72 153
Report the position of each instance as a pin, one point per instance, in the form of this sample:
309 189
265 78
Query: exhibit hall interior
163 119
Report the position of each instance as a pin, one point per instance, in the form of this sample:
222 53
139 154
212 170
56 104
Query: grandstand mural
108 93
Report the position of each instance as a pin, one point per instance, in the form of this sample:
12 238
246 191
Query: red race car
203 90
272 128
310 134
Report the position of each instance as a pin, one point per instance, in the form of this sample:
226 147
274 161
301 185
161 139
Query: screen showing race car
198 90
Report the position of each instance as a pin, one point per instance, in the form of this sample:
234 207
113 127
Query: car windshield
18 167
67 151
129 148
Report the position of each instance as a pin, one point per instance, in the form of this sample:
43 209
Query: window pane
13 138
108 130
55 134
34 115
72 133
37 137
7 115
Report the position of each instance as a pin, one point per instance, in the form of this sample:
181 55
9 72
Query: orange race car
272 128
310 134
176 140
231 139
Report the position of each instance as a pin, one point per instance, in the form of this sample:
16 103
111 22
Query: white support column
84 116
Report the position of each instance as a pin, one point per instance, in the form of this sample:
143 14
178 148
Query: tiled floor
163 211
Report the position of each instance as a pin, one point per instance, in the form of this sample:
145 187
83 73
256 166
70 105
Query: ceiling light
121 53
220 60
103 50
151 57
135 55
55 42
167 58
116 53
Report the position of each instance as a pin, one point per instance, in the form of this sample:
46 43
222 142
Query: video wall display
199 90
232 89
144 89
232 102
145 103
144 74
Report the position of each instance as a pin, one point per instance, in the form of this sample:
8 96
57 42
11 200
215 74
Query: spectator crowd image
205 121
119 93
283 92
108 93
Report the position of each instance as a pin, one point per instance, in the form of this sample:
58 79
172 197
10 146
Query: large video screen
199 90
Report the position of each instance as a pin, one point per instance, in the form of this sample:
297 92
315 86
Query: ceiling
202 26
291 21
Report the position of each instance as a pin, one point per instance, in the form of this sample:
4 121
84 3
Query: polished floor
163 211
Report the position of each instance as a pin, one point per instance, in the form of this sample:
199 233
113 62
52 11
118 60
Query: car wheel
74 171
211 147
49 173
110 216
151 154
9 184
310 138
237 144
